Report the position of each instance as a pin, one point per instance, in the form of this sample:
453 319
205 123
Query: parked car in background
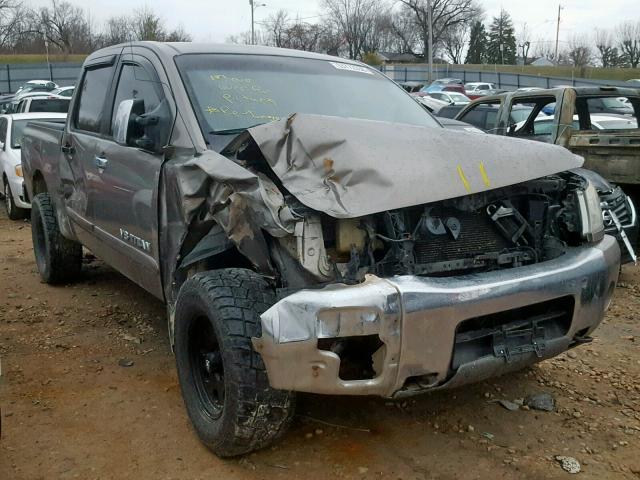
444 84
411 87
485 117
43 103
16 199
450 111
452 98
609 144
451 124
528 89
543 125
473 89
430 103
36 86
64 91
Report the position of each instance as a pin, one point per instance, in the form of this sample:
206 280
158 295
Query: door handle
101 162
68 149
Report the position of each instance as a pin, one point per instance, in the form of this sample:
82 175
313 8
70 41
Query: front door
125 191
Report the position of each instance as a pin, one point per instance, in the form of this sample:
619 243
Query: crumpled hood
349 167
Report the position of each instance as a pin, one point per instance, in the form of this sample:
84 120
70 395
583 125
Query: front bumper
417 320
18 191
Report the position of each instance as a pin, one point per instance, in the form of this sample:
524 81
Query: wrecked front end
405 258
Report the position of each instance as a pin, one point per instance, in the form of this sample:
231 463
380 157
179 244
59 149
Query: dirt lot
69 410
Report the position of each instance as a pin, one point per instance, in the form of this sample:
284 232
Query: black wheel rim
206 366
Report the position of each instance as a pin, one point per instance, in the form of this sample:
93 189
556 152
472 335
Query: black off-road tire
59 260
13 211
250 415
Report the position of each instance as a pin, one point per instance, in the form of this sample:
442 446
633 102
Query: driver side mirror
135 128
512 129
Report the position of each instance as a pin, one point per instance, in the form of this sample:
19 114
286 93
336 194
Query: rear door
126 186
78 169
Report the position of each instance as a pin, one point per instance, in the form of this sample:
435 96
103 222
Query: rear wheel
224 383
58 259
13 212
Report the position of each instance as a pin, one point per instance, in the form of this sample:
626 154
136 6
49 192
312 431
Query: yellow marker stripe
465 182
485 177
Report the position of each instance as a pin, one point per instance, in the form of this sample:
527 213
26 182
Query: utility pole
555 56
253 9
430 40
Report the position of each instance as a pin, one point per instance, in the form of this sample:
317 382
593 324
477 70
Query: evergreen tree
477 52
501 47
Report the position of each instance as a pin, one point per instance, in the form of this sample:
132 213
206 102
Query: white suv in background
11 128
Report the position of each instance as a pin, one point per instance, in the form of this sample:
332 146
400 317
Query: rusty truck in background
317 243
598 123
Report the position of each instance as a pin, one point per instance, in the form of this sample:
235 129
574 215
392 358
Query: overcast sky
215 20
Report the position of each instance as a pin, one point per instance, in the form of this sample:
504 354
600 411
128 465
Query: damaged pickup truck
308 239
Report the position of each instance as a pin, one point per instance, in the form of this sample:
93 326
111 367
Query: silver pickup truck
312 229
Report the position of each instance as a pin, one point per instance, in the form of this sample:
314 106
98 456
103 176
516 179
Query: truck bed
41 146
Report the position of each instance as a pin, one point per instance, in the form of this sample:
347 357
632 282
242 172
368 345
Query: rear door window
609 113
57 105
93 93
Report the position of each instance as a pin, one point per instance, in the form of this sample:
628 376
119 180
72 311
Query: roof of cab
172 49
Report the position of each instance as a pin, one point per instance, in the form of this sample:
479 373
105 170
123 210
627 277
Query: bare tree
628 36
579 51
118 30
10 21
356 21
447 14
404 29
454 41
66 27
607 53
523 39
277 25
147 25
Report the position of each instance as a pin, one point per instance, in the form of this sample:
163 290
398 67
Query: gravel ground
69 410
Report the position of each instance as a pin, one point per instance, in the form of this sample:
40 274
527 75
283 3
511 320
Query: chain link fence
507 81
14 75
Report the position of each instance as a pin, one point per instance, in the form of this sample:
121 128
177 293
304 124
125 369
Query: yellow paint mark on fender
465 182
485 177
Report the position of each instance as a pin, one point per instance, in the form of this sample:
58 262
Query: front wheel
13 212
224 383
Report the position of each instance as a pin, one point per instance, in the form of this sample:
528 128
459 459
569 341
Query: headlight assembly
592 225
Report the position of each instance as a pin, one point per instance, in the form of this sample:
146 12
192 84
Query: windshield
234 92
458 97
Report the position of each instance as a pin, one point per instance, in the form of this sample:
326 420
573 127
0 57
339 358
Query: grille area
512 332
477 235
617 202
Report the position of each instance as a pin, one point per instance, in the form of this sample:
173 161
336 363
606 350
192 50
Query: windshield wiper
233 131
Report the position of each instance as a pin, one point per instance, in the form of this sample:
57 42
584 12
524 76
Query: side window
482 115
475 117
527 118
94 89
136 83
483 87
